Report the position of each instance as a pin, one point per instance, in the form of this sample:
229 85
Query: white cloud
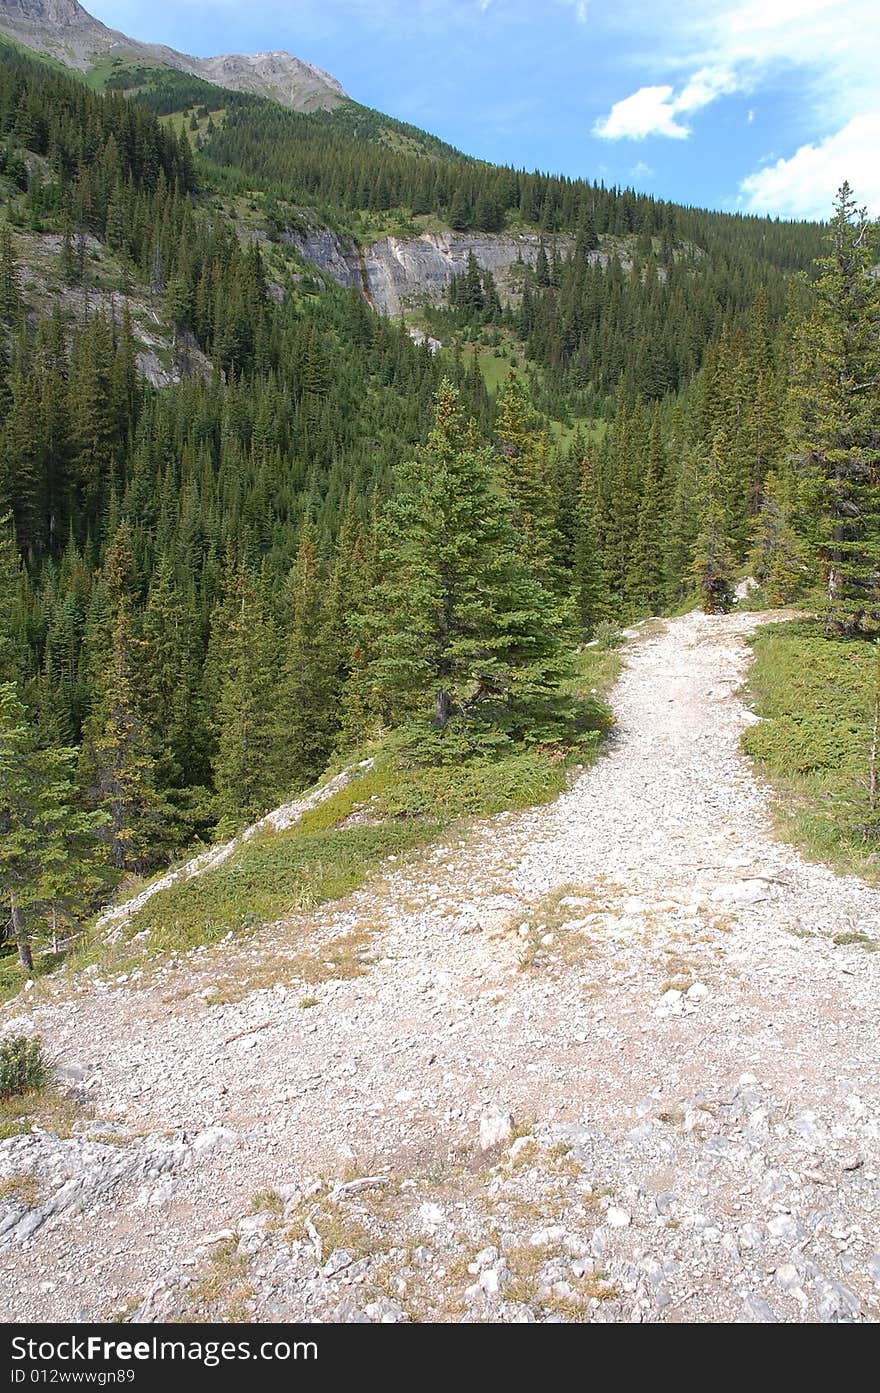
804 185
650 111
653 110
705 86
827 52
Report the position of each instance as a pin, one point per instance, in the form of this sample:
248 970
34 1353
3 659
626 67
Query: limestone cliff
397 273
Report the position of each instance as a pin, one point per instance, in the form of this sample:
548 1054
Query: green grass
592 428
273 875
388 810
368 226
122 74
816 696
12 977
497 370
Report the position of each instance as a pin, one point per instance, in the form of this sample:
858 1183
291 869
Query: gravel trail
599 1061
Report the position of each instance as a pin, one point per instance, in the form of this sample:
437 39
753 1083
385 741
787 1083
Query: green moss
857 939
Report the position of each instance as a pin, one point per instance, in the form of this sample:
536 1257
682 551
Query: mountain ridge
64 30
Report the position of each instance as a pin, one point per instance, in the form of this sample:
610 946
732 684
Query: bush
23 1066
607 635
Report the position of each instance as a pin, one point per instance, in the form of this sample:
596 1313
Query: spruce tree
172 699
10 574
837 399
308 713
526 478
11 304
460 635
780 557
242 686
651 539
118 762
714 559
587 578
50 862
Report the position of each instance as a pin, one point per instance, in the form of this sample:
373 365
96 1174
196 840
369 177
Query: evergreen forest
249 527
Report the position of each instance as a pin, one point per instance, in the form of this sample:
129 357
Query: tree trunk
19 933
442 709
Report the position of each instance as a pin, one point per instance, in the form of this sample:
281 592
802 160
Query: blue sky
758 105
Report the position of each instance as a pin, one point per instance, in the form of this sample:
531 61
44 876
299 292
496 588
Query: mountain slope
63 30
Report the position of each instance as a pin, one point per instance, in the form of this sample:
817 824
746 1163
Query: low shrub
23 1066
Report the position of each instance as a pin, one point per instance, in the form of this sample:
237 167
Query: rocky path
601 1061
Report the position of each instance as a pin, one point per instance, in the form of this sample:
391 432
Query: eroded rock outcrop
396 273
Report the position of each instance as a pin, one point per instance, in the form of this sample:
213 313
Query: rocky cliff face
278 75
64 30
337 256
403 270
61 12
397 273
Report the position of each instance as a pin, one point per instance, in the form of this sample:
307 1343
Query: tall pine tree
837 398
459 634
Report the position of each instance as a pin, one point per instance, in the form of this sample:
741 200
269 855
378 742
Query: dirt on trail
599 1061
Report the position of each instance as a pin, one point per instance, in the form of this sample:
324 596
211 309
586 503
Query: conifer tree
241 674
459 633
837 398
172 697
11 304
118 761
714 557
780 557
650 549
526 478
309 697
10 571
587 579
49 848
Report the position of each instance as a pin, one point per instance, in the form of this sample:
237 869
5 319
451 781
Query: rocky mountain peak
66 31
59 12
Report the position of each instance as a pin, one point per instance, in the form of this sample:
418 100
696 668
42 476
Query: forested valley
315 533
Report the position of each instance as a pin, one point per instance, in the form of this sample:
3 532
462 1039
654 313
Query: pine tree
308 708
837 398
650 549
459 634
780 557
11 304
49 847
118 762
525 475
714 556
172 696
10 573
587 578
241 676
